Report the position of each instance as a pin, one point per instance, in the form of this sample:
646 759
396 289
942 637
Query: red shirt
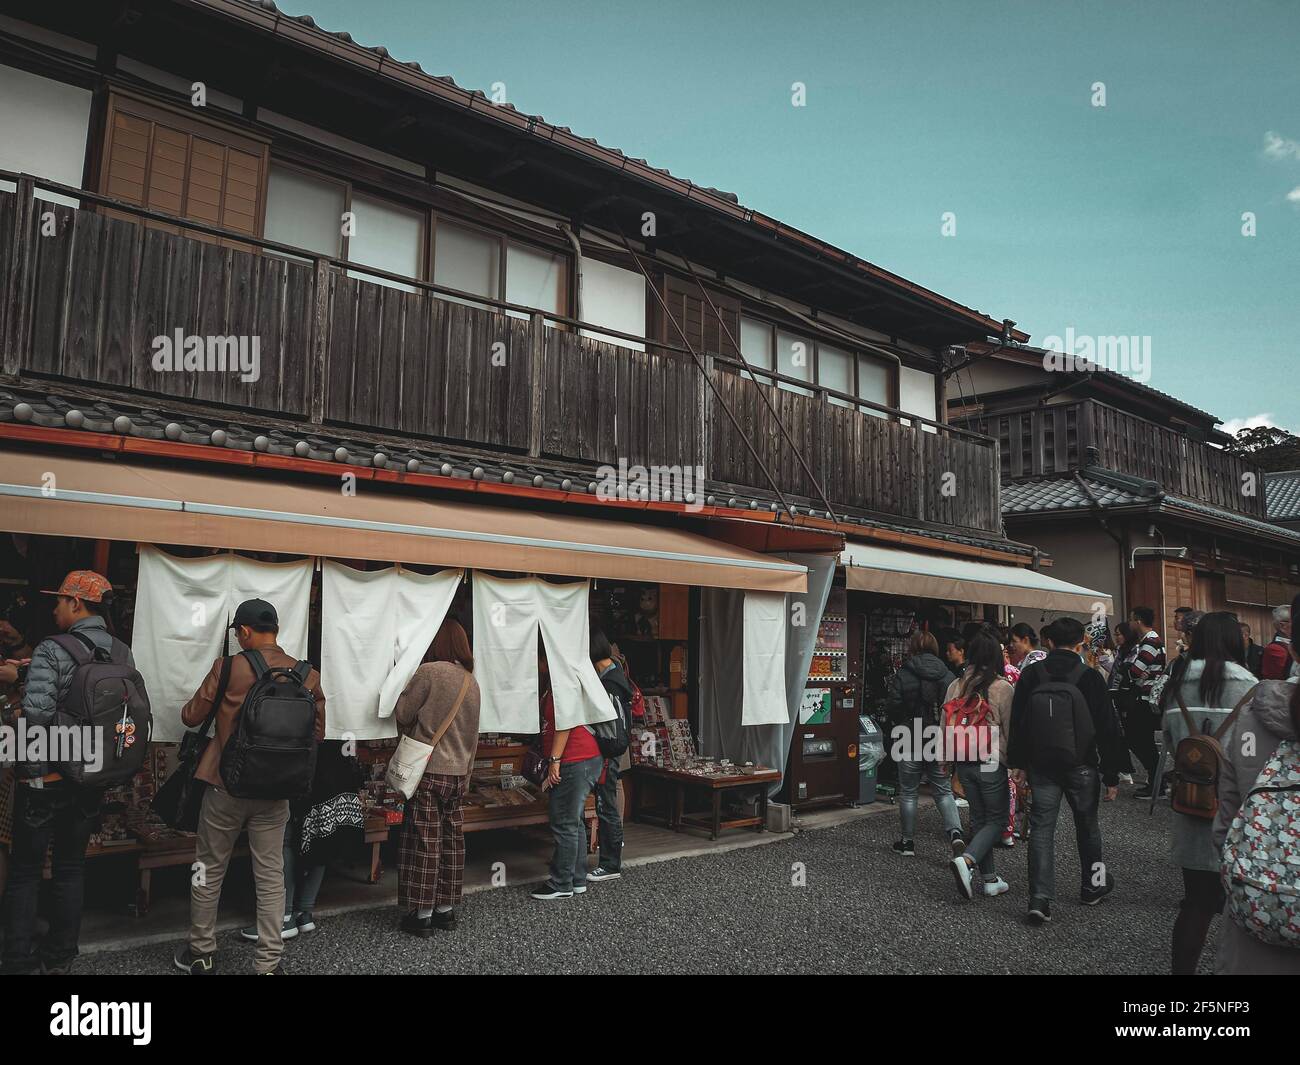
581 745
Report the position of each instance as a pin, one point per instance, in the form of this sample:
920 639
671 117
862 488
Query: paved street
864 910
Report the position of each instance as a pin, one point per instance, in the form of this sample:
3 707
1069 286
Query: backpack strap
222 683
301 671
1192 730
80 647
455 709
1227 721
258 663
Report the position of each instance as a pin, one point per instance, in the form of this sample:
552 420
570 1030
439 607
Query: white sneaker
962 804
1126 778
997 886
578 889
598 874
961 873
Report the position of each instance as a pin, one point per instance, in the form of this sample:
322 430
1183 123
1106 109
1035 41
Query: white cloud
1234 425
1294 195
1278 147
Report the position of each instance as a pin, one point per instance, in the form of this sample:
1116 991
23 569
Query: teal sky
1116 220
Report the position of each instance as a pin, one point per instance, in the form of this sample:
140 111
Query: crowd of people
1044 718
292 795
1067 712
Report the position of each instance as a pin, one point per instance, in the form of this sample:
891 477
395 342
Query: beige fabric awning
882 569
246 512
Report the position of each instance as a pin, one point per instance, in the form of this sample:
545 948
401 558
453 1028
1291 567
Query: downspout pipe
567 230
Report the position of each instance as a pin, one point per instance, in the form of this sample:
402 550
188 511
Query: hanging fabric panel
182 608
375 627
764 698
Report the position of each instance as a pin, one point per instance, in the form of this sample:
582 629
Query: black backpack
272 752
107 694
1061 729
611 735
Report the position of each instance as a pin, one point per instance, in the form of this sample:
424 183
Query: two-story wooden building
244 260
1128 488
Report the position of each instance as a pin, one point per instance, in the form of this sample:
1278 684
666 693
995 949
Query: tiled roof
1057 493
59 406
1282 492
1064 493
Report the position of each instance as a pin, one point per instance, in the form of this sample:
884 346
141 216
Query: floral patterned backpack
1261 853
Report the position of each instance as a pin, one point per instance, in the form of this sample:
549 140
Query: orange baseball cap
83 584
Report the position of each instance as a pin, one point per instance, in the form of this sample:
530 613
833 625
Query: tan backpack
1198 762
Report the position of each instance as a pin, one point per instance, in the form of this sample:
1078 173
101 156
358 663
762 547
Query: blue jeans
301 882
1081 789
569 863
610 819
990 806
909 783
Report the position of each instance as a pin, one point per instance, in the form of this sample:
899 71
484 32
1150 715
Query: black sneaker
195 964
446 921
417 926
305 922
288 929
547 891
906 848
1091 896
277 971
56 968
957 842
1040 911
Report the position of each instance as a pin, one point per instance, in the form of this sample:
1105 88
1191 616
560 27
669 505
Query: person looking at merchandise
50 811
431 850
574 766
224 816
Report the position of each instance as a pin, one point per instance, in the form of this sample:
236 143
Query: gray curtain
721 633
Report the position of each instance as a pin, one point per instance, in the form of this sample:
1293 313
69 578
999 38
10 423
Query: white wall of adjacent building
45 125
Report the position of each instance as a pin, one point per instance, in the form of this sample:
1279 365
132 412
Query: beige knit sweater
425 704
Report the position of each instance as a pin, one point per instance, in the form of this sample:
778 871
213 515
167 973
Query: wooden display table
676 782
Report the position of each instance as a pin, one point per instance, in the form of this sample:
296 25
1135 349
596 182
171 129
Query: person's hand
552 776
9 672
1111 791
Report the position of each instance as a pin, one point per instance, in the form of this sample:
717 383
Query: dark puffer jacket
918 690
49 678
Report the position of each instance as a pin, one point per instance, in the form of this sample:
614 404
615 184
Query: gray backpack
103 722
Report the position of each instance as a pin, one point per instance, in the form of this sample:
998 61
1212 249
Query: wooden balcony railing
84 292
1055 439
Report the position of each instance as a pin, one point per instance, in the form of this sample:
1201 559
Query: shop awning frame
910 573
196 508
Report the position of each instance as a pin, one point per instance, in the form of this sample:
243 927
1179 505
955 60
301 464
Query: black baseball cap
256 613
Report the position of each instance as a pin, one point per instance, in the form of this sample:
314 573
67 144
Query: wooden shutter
697 319
1180 590
185 165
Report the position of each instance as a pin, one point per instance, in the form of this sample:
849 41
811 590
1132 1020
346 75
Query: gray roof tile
1282 492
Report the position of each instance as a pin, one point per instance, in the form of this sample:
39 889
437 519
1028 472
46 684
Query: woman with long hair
985 781
431 850
1271 717
1204 686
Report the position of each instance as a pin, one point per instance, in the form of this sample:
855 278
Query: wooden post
18 292
536 367
703 411
319 340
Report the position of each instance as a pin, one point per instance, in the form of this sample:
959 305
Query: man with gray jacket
48 809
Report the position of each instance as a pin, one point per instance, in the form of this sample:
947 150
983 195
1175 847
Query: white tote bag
406 767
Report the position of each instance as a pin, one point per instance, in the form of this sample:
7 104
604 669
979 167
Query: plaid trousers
431 848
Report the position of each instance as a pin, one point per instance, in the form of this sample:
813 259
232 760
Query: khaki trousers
222 819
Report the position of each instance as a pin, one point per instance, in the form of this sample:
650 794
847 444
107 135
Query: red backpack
968 729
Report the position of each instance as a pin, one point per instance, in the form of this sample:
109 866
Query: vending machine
823 752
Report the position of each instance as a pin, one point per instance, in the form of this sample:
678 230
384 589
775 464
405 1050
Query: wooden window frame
814 384
143 107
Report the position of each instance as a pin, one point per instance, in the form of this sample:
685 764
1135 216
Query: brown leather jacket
195 712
